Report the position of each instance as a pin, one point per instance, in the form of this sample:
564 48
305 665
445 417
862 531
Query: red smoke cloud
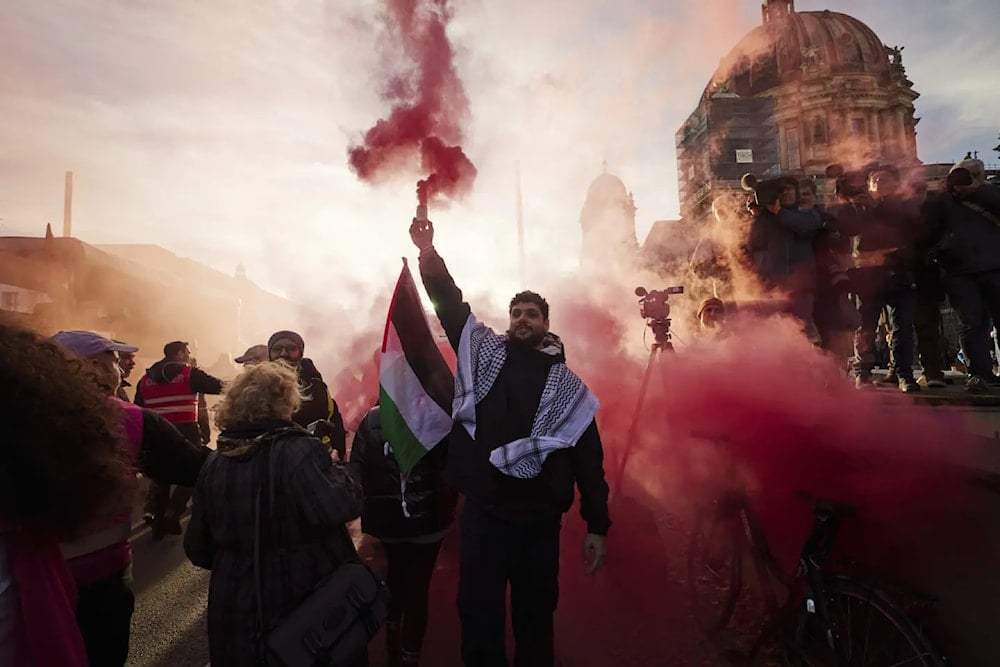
428 106
765 409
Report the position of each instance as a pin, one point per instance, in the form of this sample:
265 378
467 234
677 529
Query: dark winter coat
320 404
967 242
507 413
305 501
782 248
167 455
429 501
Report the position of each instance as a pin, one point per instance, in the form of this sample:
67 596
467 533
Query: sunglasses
284 348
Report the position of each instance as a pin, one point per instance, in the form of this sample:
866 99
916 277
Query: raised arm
451 310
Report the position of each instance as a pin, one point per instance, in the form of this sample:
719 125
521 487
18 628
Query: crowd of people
873 269
270 503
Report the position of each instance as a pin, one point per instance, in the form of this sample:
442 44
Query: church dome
607 187
794 45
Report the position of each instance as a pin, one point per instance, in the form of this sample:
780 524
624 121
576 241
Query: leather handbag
332 625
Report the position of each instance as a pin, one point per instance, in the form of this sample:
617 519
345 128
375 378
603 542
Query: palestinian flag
416 387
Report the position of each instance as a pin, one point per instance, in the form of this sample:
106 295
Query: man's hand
422 234
594 545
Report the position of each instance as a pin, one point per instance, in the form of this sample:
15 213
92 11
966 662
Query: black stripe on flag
422 354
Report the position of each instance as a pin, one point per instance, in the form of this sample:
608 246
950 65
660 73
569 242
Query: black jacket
430 502
892 224
168 456
782 247
966 241
320 405
507 413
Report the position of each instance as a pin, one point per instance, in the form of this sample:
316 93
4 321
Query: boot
409 658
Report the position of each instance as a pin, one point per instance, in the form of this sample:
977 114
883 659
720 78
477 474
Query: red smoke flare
428 105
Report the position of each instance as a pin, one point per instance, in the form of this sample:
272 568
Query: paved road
168 627
633 613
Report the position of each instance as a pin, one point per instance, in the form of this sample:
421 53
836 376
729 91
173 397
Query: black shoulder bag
333 624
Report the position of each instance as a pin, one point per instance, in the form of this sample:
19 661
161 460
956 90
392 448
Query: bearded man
524 432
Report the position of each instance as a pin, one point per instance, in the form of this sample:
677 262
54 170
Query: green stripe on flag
405 446
415 384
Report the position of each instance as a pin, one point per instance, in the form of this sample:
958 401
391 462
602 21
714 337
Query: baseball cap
89 344
253 353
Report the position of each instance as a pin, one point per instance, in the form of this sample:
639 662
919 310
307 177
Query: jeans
409 578
976 300
104 614
494 552
900 301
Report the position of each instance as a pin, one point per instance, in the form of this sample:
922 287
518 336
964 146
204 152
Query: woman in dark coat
306 500
410 515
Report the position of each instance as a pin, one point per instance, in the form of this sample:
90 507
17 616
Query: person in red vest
101 560
170 387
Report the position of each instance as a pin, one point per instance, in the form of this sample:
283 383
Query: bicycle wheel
715 568
868 629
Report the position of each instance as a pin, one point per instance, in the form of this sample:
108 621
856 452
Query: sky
219 130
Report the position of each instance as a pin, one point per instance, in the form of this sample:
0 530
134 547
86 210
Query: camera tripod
661 342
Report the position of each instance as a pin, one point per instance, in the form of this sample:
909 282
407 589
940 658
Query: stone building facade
839 95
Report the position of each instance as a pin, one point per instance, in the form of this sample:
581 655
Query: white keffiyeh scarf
564 412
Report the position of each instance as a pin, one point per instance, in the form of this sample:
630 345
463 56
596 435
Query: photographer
835 316
886 228
965 229
781 243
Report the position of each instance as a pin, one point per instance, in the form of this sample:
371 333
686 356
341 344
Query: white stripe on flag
425 418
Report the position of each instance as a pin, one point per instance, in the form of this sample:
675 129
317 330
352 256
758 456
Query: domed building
836 92
608 224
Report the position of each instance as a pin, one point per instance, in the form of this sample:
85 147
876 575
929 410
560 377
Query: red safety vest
174 400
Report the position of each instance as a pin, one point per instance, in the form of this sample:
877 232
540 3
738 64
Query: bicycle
827 619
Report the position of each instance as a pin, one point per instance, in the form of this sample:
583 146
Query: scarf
566 409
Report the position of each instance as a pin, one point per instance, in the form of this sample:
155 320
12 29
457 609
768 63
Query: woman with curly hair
61 466
305 500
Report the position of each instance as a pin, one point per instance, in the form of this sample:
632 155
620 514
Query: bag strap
972 206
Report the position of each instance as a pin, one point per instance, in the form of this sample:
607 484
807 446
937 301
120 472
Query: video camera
654 307
851 183
653 304
959 177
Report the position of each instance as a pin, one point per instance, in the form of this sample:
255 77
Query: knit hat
710 301
275 337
